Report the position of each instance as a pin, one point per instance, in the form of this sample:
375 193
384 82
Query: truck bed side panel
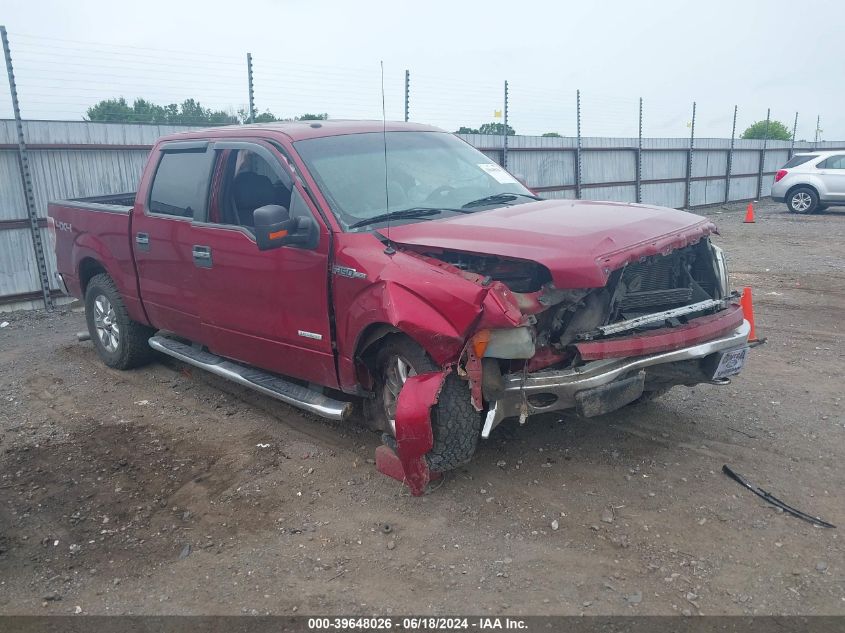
99 232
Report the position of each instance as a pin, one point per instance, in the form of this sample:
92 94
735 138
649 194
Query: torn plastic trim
657 317
414 435
697 330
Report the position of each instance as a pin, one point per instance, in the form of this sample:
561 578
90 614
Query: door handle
202 256
142 240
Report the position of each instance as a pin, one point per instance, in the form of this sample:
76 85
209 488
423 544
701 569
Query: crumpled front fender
414 436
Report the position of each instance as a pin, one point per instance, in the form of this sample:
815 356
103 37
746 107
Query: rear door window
834 162
800 159
180 186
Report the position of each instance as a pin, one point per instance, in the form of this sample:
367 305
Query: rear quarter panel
100 235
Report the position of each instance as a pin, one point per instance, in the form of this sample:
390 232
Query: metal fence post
505 136
689 158
407 94
578 145
763 155
26 179
730 160
794 131
640 156
251 92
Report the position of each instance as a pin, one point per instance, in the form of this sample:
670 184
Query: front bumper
563 385
779 198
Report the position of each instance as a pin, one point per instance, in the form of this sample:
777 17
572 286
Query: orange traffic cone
748 310
749 214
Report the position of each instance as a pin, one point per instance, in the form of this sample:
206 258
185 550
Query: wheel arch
370 337
88 268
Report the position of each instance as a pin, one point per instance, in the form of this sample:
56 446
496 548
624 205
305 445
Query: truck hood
580 242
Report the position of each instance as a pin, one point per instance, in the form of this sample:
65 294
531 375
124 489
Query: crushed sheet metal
774 500
414 437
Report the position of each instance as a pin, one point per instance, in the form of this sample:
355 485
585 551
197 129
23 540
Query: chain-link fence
560 141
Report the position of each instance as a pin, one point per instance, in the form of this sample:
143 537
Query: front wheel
120 342
803 200
455 423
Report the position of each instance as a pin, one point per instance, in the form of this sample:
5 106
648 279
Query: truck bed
114 202
97 230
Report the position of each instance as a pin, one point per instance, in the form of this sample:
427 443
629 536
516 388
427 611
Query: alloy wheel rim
105 323
801 201
398 371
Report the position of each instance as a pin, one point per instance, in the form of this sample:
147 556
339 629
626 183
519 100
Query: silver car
811 182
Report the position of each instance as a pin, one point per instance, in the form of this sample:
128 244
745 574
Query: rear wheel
802 200
455 423
120 342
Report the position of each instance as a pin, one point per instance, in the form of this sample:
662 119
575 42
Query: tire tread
134 349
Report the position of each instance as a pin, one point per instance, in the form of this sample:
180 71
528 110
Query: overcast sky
324 57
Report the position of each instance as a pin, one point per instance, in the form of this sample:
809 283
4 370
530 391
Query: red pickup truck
331 262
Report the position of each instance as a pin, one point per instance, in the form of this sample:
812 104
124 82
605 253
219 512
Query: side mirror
275 228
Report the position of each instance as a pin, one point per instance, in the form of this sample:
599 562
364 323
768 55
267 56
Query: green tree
495 128
552 135
269 117
110 110
486 128
264 117
189 112
777 131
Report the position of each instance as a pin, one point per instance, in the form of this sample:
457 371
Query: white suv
811 182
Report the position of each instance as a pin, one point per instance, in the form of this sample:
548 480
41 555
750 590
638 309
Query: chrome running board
262 381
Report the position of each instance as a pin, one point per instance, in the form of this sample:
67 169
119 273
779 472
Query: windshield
425 170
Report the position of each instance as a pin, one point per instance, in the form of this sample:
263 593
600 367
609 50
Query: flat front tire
120 342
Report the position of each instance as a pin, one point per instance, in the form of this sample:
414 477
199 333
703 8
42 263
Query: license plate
730 363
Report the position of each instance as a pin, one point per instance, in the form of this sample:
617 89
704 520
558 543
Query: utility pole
730 159
578 145
505 139
251 91
407 95
26 179
689 158
763 155
639 195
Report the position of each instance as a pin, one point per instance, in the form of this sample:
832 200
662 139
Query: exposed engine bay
692 276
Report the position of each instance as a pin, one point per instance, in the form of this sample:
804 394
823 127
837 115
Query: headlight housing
512 343
721 269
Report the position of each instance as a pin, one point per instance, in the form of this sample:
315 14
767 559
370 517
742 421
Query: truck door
265 308
162 236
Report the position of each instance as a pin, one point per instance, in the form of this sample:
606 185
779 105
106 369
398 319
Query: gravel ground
166 491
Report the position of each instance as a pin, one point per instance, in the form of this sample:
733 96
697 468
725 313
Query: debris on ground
774 500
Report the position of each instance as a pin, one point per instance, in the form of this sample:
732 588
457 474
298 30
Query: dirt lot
164 490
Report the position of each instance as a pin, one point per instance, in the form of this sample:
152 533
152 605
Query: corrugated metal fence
72 159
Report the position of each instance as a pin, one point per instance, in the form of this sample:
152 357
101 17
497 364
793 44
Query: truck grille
654 283
651 298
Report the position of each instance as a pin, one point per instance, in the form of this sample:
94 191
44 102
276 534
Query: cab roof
301 130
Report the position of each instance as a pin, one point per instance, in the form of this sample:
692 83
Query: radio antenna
389 250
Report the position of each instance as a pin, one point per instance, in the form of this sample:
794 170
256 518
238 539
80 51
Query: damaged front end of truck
662 318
